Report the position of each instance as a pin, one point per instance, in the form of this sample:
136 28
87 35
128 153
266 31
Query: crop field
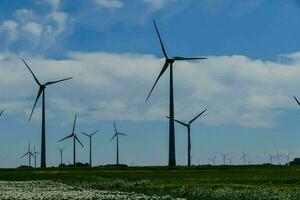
205 182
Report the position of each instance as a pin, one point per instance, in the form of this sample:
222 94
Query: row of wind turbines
33 154
226 158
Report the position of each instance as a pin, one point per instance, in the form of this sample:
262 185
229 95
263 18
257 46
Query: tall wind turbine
61 154
90 137
34 153
75 138
244 156
188 126
29 154
41 91
169 61
117 133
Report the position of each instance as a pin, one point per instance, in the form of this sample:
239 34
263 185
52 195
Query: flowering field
191 183
53 190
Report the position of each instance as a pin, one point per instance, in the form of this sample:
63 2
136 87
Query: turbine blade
37 98
85 134
94 132
53 82
115 127
1 112
66 137
35 78
160 74
297 100
160 40
123 134
78 141
74 123
192 58
197 116
113 137
25 155
180 122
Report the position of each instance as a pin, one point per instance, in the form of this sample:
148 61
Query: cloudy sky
111 49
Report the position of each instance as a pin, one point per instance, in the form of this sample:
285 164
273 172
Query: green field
203 182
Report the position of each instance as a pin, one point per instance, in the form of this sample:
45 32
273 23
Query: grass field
203 182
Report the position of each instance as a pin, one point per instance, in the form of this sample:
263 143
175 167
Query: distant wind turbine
90 137
188 126
278 157
61 154
244 156
34 154
41 91
213 160
224 158
117 133
230 159
288 158
169 61
75 138
271 158
29 154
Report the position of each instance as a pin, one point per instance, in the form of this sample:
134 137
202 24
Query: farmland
203 182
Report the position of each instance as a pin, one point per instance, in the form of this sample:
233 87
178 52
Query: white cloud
109 3
158 4
24 15
10 28
31 32
235 89
33 28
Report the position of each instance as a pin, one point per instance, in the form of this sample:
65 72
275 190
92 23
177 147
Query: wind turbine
288 158
117 133
169 61
41 91
224 157
230 159
61 154
244 156
90 137
34 153
188 126
271 158
278 157
213 160
29 154
73 134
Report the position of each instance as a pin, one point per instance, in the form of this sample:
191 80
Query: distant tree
62 165
25 166
296 161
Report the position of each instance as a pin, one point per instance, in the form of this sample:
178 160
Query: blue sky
111 49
